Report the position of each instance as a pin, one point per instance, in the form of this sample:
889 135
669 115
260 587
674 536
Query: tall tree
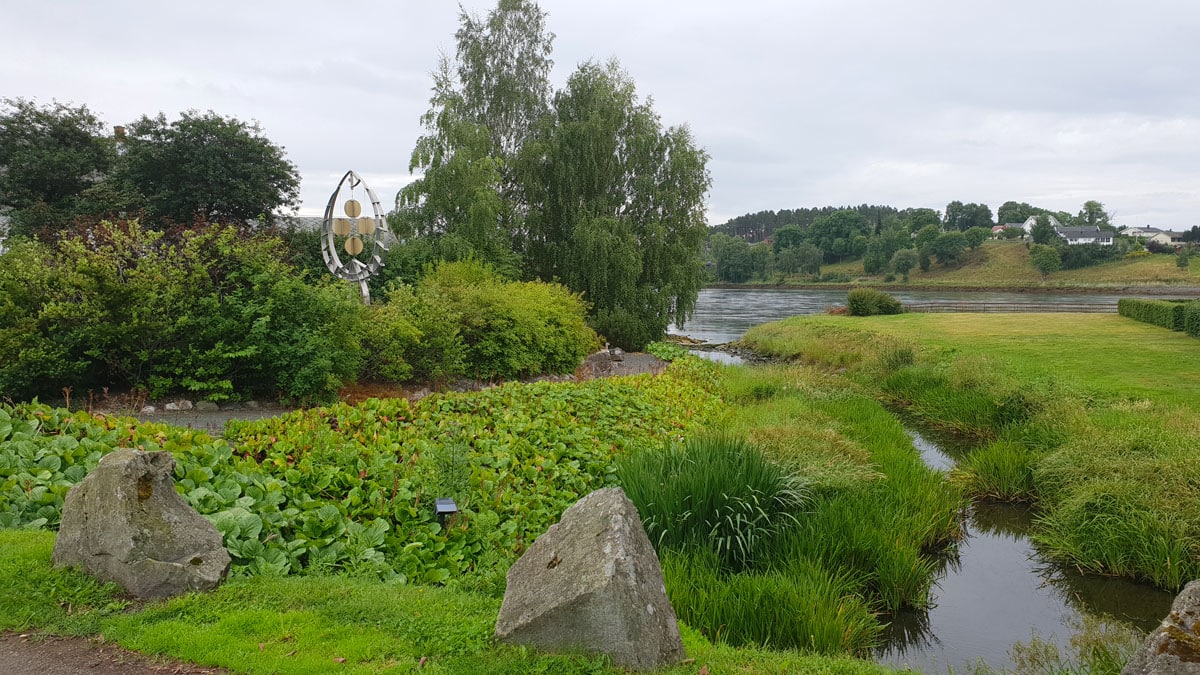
840 235
962 217
1015 212
1043 232
203 165
486 104
1093 215
603 169
49 155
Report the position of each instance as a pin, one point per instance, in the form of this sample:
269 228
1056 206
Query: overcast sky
802 103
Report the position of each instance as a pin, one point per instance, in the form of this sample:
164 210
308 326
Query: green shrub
714 493
211 311
1191 318
510 329
1165 313
869 302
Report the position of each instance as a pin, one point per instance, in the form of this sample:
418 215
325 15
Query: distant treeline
754 227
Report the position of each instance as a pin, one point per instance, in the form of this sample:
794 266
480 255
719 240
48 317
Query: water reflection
720 357
994 590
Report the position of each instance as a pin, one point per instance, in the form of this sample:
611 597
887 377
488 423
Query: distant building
1032 220
1085 235
1167 238
1141 232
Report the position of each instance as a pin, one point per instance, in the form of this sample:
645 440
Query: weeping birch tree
616 206
586 188
485 104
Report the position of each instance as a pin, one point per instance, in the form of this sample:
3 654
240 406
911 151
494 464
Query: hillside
1005 264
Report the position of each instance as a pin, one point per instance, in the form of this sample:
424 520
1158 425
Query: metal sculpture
358 236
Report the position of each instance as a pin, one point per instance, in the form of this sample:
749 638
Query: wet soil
30 654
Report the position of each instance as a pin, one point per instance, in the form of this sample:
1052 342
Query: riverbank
1137 289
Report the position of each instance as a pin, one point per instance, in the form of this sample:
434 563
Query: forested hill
754 227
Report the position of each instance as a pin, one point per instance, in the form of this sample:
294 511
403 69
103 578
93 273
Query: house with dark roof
1085 235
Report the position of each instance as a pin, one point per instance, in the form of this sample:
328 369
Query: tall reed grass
717 493
801 605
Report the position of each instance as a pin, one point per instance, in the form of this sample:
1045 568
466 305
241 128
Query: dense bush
1165 313
1191 318
212 311
1085 255
509 329
869 302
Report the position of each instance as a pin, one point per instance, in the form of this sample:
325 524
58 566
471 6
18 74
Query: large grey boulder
125 523
1174 647
593 583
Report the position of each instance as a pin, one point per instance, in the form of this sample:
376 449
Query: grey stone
207 406
1174 647
593 583
253 405
149 409
182 404
125 523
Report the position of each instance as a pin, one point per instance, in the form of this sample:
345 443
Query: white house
1167 238
1085 235
1032 220
1141 232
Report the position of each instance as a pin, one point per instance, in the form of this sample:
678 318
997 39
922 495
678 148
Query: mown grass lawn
1097 352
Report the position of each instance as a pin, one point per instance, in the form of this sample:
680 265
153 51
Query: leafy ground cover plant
350 489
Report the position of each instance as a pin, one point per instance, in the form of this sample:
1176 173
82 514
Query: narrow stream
995 591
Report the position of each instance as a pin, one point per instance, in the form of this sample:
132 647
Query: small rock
125 523
593 582
252 405
182 404
1174 647
231 405
149 409
207 406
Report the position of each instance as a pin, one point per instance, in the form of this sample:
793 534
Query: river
724 314
994 589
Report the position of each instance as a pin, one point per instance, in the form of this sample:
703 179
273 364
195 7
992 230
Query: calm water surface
724 314
996 590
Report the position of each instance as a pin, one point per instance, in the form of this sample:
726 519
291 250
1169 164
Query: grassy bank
1090 417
